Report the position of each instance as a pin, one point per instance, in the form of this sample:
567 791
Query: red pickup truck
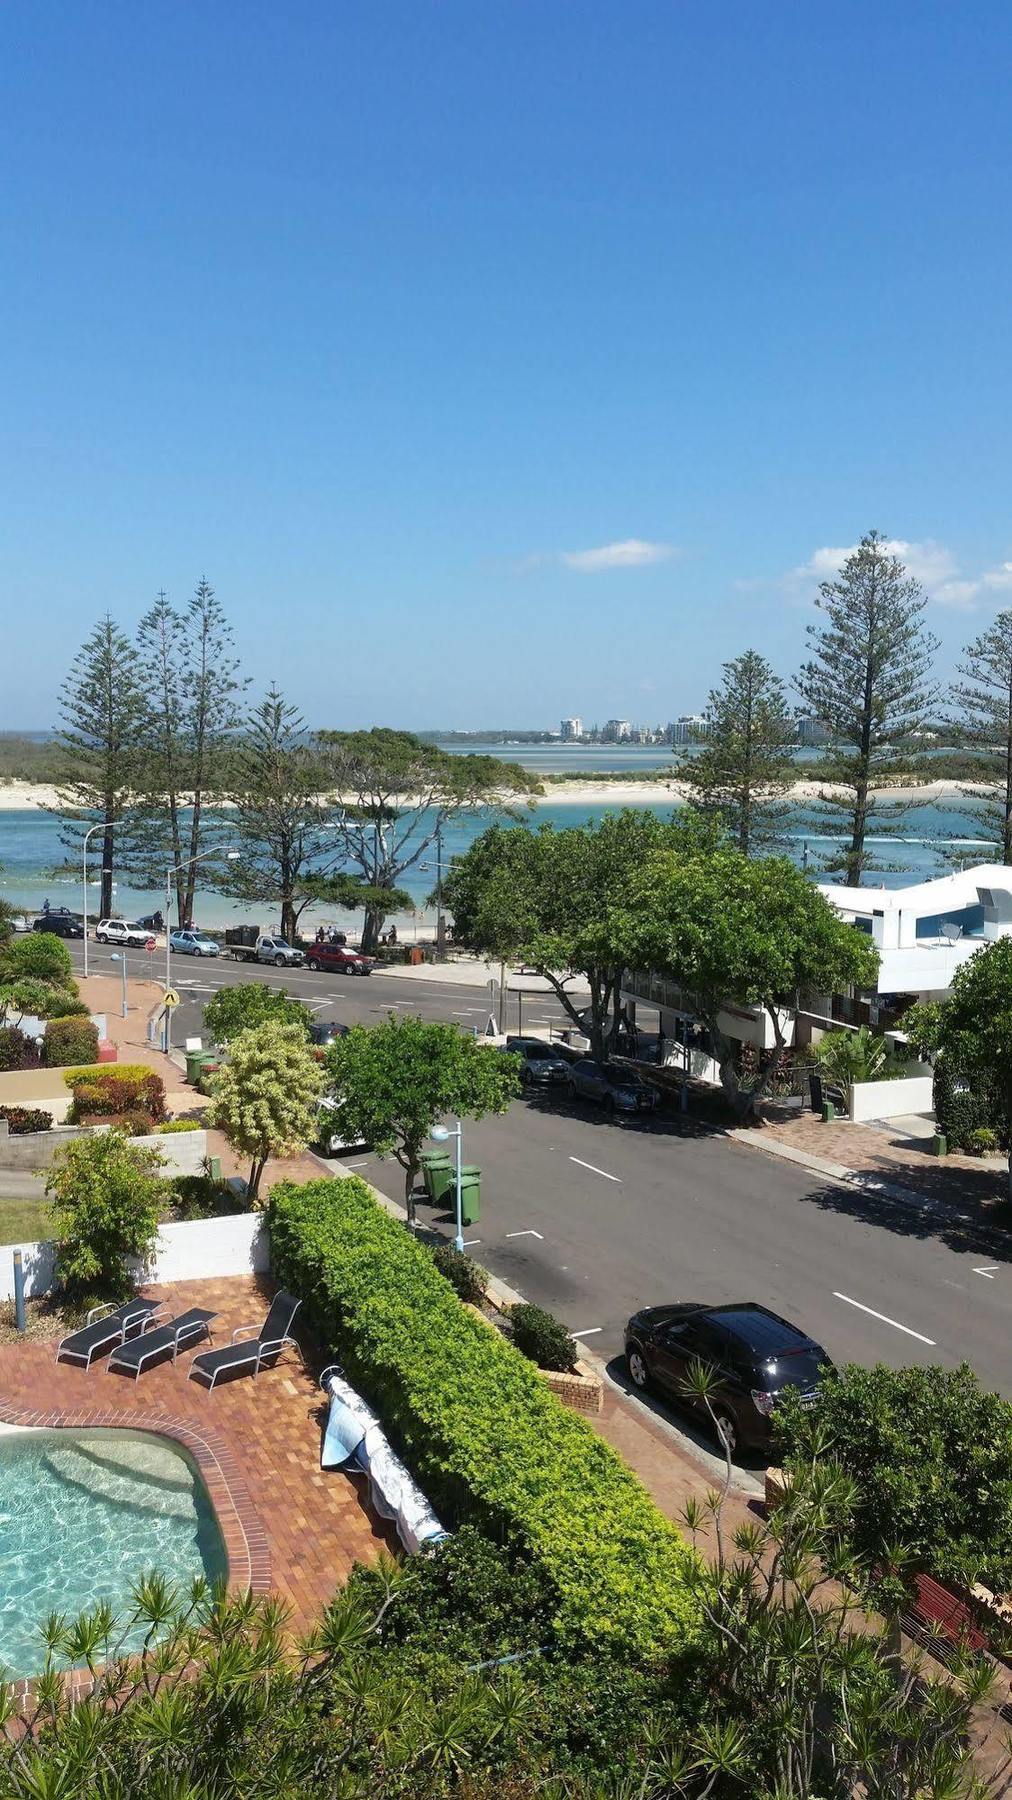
338 959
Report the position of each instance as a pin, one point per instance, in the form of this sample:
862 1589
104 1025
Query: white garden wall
238 1244
889 1099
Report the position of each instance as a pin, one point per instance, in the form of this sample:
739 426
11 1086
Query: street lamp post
442 1134
84 883
116 957
230 856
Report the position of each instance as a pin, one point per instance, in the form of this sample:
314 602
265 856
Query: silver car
193 943
614 1088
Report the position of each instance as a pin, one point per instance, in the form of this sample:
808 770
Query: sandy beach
27 796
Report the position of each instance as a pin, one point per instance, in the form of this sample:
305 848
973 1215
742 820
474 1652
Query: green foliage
17 1049
394 1081
922 1025
467 1278
106 1197
983 1141
540 1337
38 956
961 1110
25 1119
743 767
264 1099
733 931
849 1057
981 721
68 1041
114 1089
250 1005
170 1126
976 1031
482 1432
92 1071
203 1197
930 1453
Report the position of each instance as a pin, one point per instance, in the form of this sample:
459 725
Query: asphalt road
593 1218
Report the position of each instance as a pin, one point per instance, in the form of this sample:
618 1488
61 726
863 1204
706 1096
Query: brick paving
287 1525
973 1183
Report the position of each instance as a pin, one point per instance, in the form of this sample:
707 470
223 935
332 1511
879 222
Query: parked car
153 921
280 952
193 943
755 1353
541 1064
21 922
338 959
613 1087
330 1142
324 1032
119 931
61 924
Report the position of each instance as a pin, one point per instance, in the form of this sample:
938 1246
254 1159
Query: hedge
88 1072
69 1041
478 1425
104 1092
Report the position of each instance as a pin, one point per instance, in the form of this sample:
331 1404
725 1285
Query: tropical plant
248 1006
392 1082
106 1197
541 1337
264 1099
849 1057
868 682
743 768
483 1434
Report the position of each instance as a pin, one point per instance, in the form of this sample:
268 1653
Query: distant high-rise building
688 729
811 731
570 730
615 731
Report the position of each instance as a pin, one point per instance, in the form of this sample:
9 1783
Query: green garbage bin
470 1195
195 1060
440 1182
434 1162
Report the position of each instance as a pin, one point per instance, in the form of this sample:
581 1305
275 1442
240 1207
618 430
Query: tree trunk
108 847
410 1177
288 921
257 1167
371 929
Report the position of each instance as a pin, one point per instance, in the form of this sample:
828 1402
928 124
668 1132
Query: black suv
755 1353
61 924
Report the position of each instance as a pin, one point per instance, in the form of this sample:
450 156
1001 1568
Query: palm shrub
848 1057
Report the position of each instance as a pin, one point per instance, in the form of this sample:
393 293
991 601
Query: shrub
983 1141
134 1121
541 1338
105 1093
250 1005
930 1451
962 1109
482 1432
106 1200
203 1197
464 1275
69 1041
88 1072
17 1049
169 1126
24 1119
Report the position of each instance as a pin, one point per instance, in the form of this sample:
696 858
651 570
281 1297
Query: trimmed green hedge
480 1428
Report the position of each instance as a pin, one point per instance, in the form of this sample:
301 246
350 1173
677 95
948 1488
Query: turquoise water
82 1516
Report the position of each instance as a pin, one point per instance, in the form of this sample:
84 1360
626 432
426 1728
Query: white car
193 943
120 931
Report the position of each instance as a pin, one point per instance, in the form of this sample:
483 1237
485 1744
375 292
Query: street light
442 1135
84 881
116 957
230 856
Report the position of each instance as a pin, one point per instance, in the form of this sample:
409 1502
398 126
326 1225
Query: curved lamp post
442 1135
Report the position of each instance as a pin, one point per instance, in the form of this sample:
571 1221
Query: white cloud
631 553
998 578
930 563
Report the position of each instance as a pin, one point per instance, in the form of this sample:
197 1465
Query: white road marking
990 1272
919 1335
594 1170
590 1331
470 1242
357 1165
530 1233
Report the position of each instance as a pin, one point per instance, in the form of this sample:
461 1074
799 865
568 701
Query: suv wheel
726 1429
639 1374
313 964
279 962
102 937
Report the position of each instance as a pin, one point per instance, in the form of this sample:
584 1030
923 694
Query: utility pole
440 920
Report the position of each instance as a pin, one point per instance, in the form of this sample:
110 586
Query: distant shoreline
28 796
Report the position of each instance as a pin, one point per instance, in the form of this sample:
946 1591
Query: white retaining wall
238 1244
888 1099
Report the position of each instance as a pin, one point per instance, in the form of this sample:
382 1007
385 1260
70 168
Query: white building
616 731
689 728
924 932
570 730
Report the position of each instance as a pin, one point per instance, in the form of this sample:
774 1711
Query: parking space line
588 1331
529 1233
870 1310
594 1170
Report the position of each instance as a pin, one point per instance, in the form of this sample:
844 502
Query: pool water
82 1516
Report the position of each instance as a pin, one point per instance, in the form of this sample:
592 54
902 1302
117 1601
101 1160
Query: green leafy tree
106 1197
981 721
744 768
36 978
393 1082
264 1099
251 1005
562 902
848 1057
191 675
922 1025
399 794
734 933
868 681
103 712
976 1029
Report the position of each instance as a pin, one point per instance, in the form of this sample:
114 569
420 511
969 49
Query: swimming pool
82 1515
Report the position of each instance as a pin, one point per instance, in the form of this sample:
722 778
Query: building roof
946 893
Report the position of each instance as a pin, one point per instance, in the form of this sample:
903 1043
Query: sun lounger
254 1353
105 1326
175 1335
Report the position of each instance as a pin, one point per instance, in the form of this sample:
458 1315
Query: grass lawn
21 1221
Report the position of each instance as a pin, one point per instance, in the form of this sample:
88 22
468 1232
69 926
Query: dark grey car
611 1086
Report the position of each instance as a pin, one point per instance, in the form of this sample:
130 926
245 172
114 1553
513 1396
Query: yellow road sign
171 998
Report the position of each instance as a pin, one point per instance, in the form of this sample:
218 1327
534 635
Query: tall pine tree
103 713
982 720
744 769
869 683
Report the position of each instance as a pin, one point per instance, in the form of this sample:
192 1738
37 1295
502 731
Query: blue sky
383 315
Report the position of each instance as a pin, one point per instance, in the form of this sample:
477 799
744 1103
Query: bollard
19 1291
